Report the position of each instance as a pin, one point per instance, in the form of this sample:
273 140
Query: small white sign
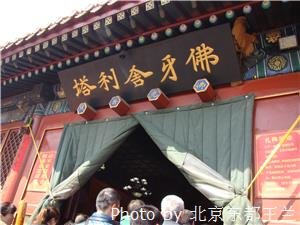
288 42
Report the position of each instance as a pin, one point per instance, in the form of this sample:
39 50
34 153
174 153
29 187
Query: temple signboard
173 65
281 177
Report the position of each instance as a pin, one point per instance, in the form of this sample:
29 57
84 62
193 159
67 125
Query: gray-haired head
171 207
106 198
187 217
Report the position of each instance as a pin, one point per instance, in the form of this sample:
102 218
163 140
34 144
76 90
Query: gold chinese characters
168 68
105 80
202 56
82 87
137 76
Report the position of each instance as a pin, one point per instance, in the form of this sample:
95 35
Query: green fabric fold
210 143
219 134
83 149
240 212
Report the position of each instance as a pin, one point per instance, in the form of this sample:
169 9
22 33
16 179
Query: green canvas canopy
209 143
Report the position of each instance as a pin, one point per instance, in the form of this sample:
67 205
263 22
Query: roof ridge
92 8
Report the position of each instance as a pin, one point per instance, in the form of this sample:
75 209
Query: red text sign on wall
281 177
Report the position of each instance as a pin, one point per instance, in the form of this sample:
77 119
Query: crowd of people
108 209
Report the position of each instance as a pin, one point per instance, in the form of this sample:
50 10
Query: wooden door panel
38 183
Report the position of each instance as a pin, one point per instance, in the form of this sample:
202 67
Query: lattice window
8 152
3 134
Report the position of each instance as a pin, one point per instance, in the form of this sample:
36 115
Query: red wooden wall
272 113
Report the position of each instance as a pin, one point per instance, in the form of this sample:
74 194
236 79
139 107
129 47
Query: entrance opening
138 169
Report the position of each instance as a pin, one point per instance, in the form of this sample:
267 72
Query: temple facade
219 80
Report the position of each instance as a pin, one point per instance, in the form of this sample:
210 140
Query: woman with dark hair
7 213
48 216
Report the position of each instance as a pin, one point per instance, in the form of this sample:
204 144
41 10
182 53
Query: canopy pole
21 212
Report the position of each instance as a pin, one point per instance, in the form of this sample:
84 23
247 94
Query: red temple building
155 98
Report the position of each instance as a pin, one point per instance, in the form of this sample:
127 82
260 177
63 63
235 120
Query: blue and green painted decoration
275 62
53 107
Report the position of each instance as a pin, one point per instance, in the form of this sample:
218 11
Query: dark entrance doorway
139 163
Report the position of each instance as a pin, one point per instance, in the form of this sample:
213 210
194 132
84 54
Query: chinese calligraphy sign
173 65
137 76
105 80
82 87
168 68
202 56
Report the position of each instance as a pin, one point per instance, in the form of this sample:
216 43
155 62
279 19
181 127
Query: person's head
146 215
172 207
108 202
80 218
134 204
187 217
48 216
7 212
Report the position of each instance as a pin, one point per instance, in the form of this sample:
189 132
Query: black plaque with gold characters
173 65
